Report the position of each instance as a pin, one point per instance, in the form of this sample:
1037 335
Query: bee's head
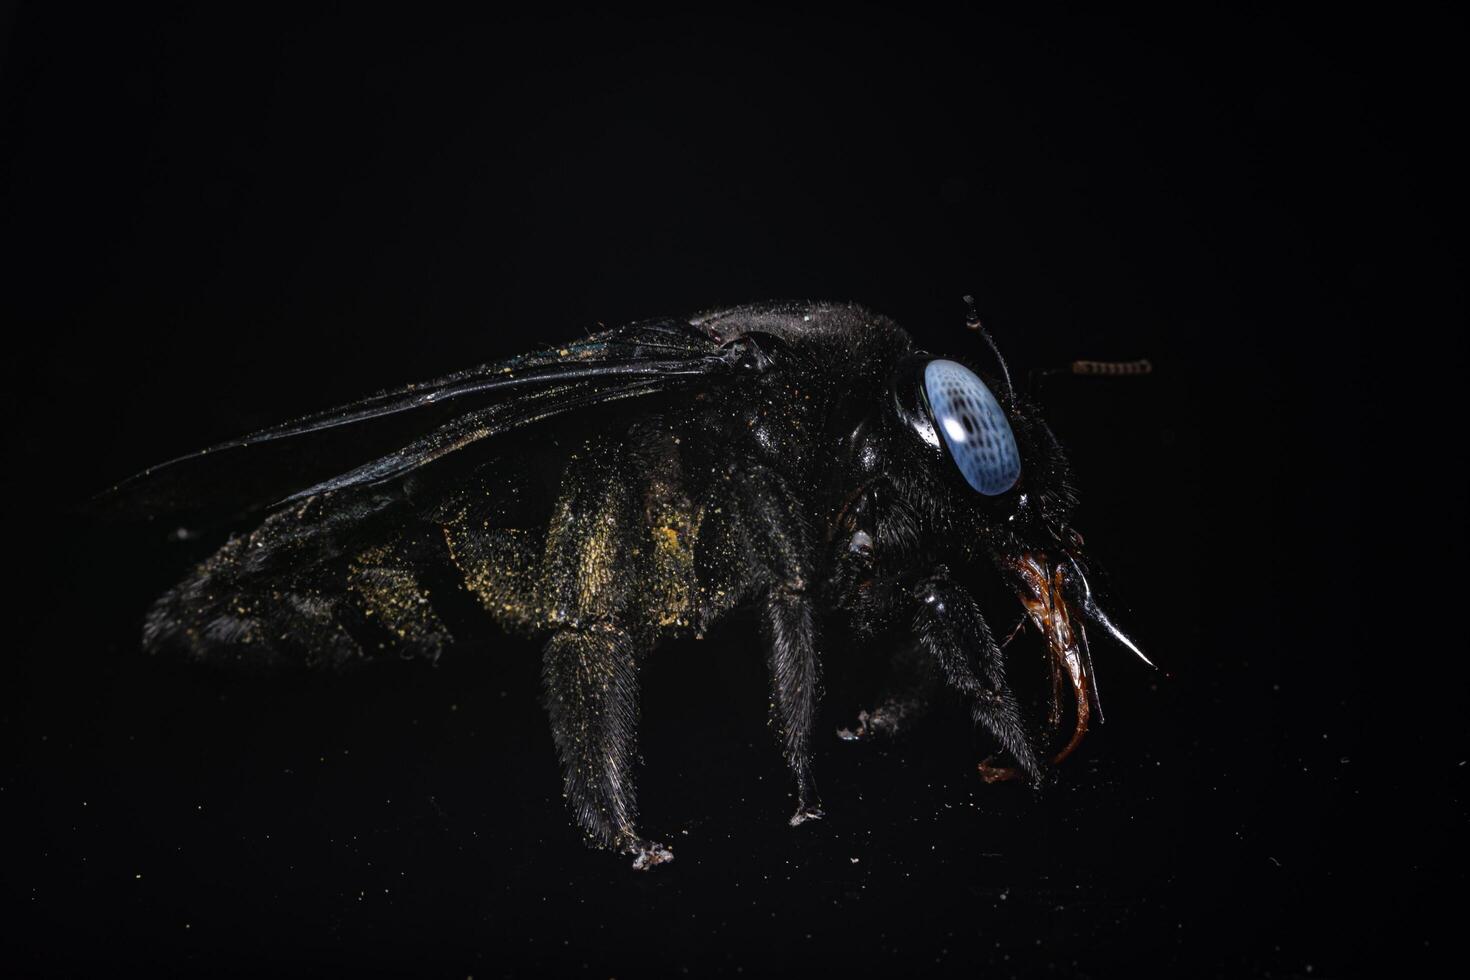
981 451
976 459
961 479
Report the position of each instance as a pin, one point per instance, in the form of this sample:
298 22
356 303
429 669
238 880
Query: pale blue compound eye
974 427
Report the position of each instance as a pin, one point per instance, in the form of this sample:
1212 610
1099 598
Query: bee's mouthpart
1058 601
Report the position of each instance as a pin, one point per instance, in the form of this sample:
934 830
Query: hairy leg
789 633
591 682
776 533
591 661
948 625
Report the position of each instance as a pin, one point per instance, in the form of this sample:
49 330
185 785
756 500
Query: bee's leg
948 625
788 629
907 700
776 532
591 681
591 661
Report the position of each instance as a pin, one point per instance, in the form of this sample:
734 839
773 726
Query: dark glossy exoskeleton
639 484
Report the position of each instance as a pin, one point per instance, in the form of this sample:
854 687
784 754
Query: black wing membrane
391 434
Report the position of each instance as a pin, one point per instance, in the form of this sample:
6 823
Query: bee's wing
399 431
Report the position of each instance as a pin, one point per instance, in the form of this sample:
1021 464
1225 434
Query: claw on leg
805 812
648 854
992 773
860 732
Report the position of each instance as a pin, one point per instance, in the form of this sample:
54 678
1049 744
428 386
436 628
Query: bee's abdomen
500 568
240 607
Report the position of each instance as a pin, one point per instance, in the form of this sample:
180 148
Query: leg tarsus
992 772
805 812
647 854
911 689
861 732
884 721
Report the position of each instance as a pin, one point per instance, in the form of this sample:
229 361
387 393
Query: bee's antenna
1092 369
972 320
1112 369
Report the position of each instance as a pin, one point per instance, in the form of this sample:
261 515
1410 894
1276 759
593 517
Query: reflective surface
974 427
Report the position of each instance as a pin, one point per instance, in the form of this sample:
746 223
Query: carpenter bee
803 459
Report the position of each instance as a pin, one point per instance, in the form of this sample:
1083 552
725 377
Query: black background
219 220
